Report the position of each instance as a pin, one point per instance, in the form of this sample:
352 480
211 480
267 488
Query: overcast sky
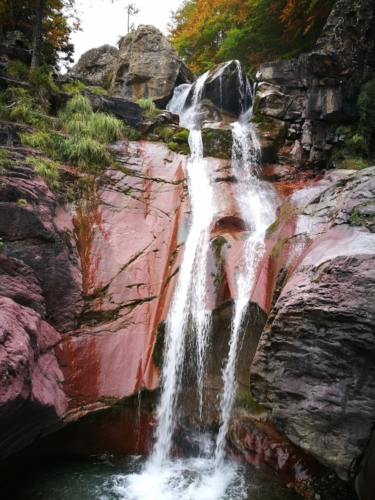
104 22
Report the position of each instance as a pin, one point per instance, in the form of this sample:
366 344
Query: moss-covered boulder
271 133
217 142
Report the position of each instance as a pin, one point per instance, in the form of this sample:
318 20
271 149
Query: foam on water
187 479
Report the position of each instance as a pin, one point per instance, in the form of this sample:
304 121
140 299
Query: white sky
104 22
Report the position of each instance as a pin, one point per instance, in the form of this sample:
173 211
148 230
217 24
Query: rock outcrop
313 366
226 88
95 67
312 109
148 67
346 47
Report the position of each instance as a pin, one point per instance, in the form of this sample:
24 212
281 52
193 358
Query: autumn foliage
206 32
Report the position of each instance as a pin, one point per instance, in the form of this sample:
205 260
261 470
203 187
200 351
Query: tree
132 10
206 32
37 39
47 25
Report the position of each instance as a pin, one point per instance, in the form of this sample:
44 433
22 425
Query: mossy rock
217 143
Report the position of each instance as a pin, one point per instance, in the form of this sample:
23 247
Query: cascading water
207 477
258 213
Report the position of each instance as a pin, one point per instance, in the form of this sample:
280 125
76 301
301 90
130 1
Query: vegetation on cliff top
252 31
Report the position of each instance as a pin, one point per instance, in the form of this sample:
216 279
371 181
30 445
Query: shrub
22 202
41 82
354 163
46 169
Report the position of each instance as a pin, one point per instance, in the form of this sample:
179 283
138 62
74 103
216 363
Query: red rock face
127 233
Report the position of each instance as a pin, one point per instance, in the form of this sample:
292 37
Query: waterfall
257 213
190 294
207 477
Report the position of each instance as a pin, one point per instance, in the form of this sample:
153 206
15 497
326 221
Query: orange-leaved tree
206 32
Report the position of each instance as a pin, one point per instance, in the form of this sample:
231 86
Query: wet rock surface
148 67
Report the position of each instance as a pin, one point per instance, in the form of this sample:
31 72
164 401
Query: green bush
354 163
366 109
41 82
182 136
46 169
173 146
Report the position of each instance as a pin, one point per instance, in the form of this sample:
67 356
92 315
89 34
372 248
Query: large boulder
313 369
227 88
148 67
127 111
95 67
346 46
31 398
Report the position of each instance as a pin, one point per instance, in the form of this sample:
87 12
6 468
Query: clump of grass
18 68
73 87
22 202
147 106
78 118
46 169
98 90
37 140
84 151
16 104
